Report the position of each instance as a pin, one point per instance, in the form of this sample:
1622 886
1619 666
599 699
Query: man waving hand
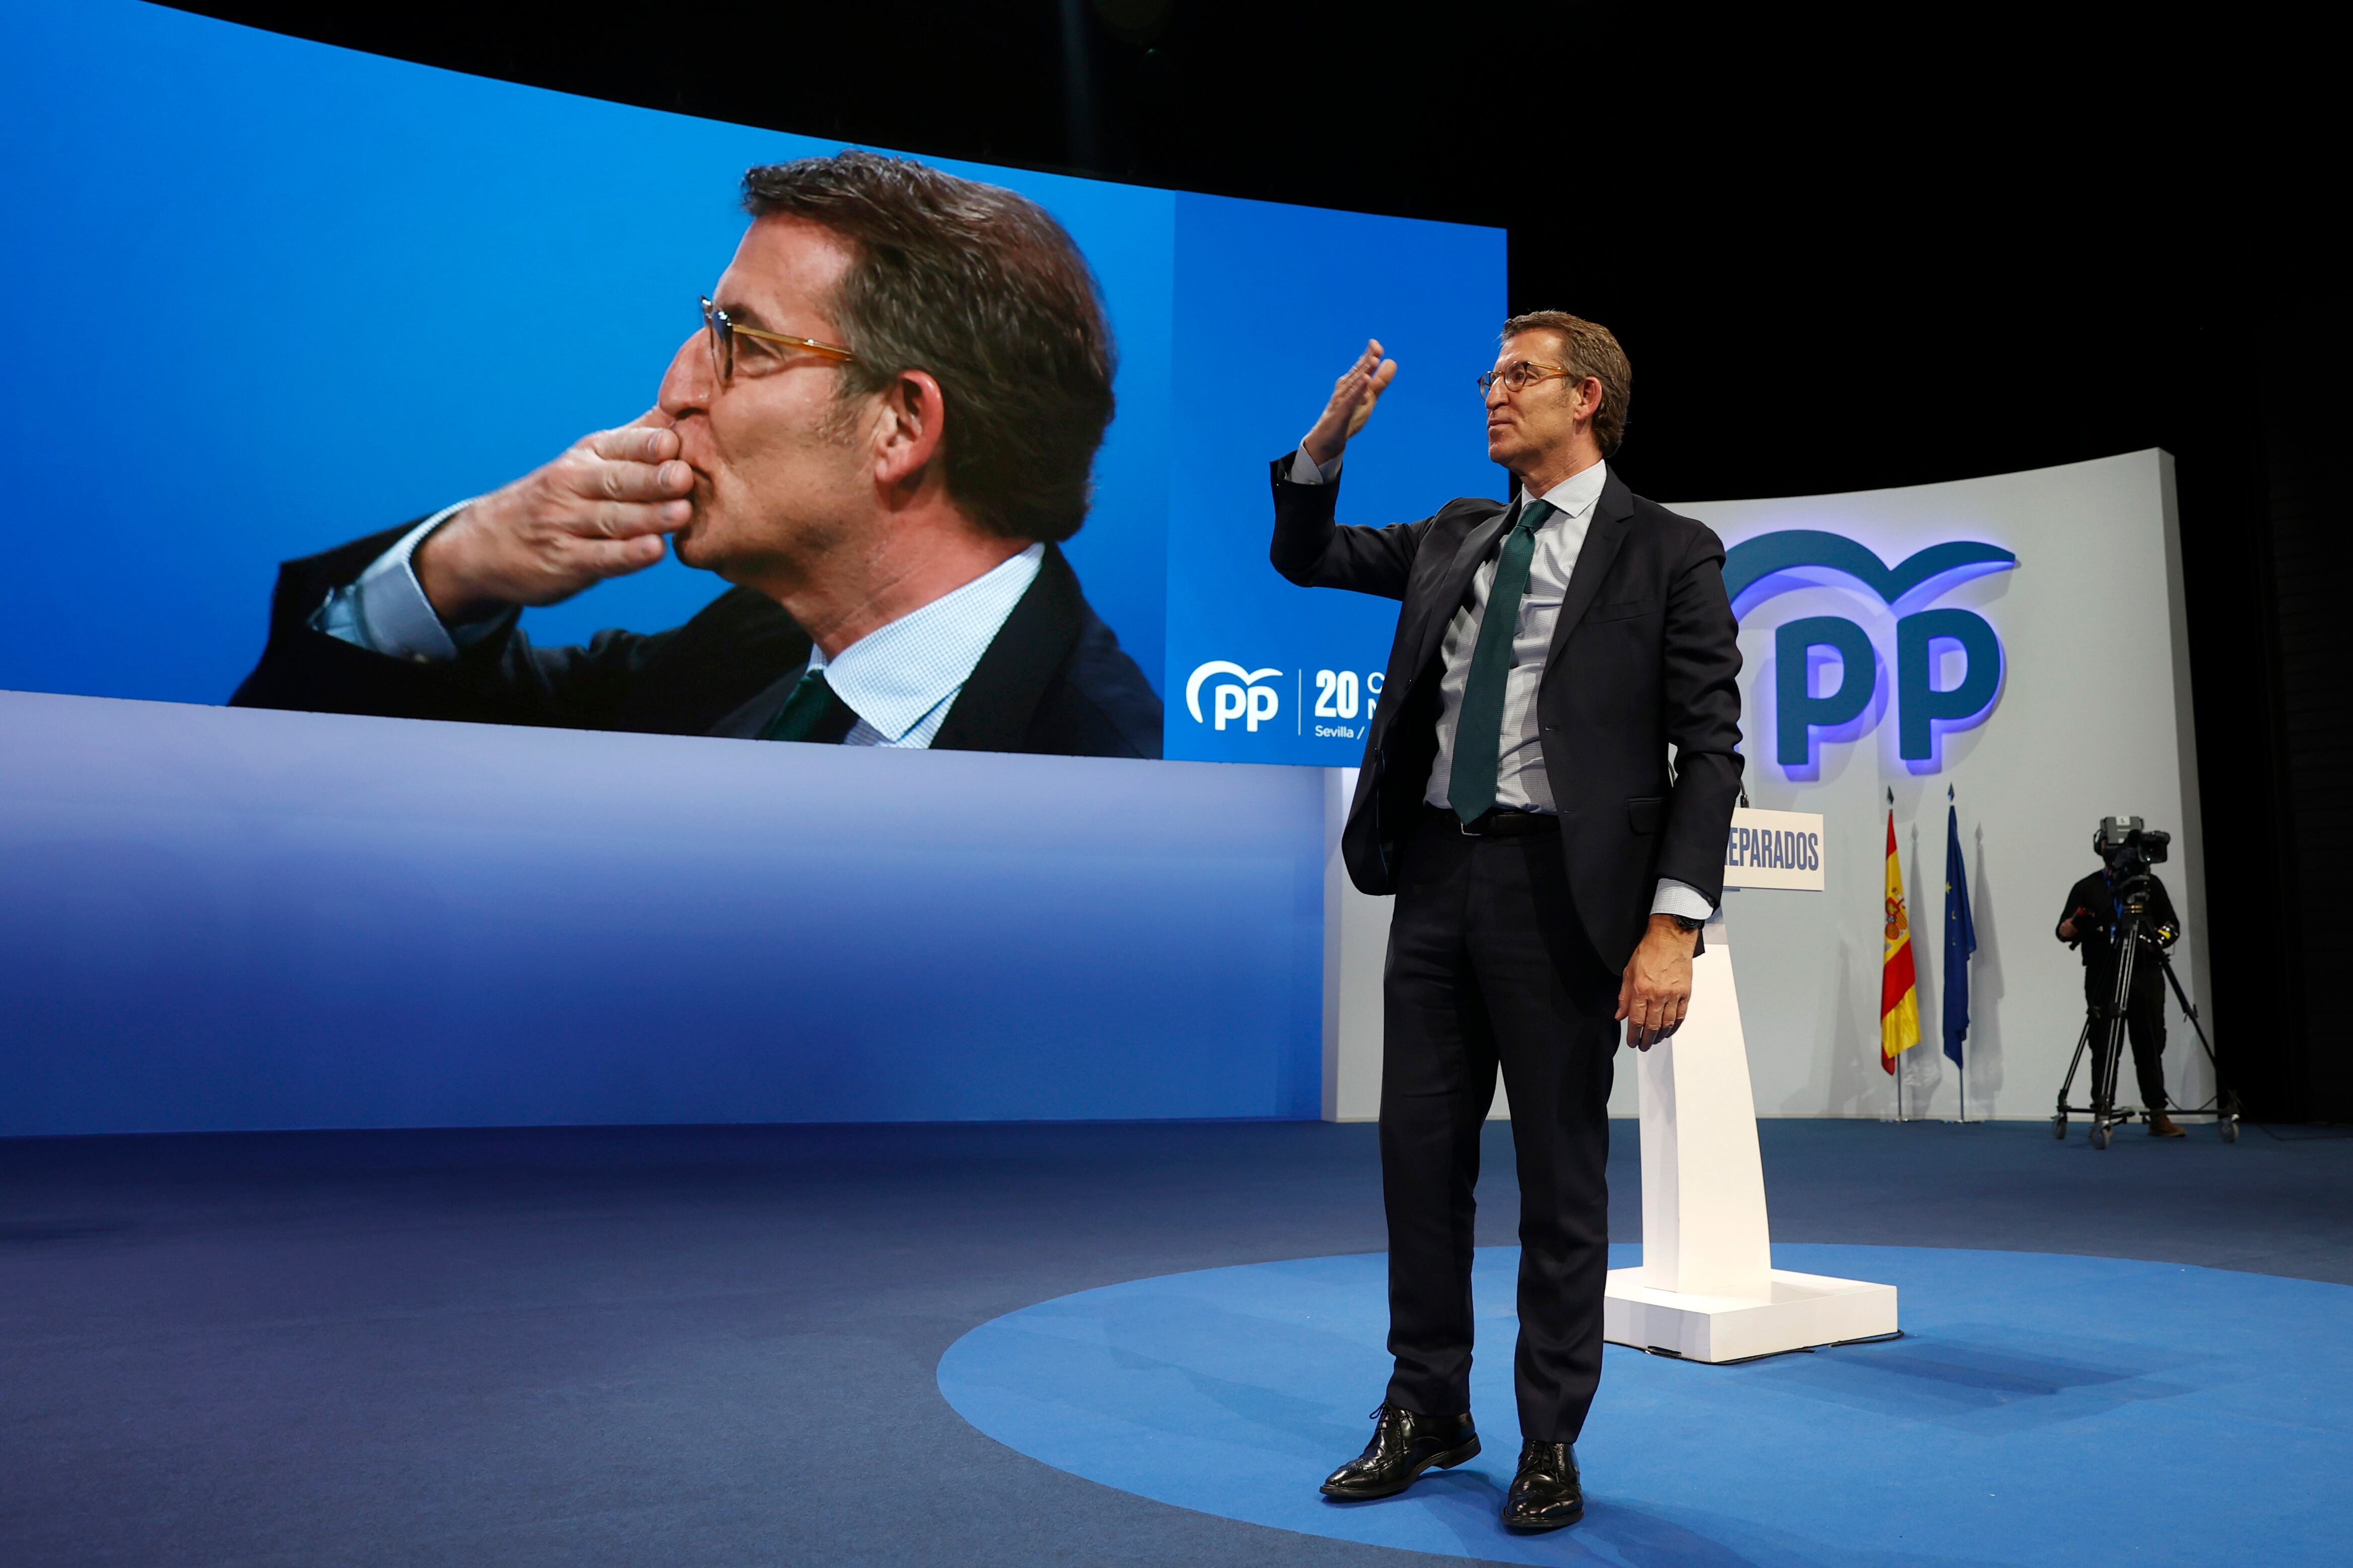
1551 868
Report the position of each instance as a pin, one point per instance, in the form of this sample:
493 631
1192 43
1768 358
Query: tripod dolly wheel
2230 1130
2059 1127
2099 1134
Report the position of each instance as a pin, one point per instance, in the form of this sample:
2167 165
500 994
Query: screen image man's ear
911 427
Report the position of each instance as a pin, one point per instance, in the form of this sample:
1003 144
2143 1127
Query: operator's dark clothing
2145 1008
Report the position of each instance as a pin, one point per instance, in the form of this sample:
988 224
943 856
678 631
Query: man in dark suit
884 476
1552 864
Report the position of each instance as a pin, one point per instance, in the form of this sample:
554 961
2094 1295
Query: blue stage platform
2030 1394
724 1345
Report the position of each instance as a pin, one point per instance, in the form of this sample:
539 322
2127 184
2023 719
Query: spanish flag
1899 1003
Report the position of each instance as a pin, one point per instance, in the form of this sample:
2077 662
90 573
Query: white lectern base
1806 1309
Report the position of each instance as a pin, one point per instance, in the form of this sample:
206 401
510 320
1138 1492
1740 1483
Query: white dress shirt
1521 783
901 679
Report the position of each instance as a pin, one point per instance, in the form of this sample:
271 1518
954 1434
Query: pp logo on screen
1234 693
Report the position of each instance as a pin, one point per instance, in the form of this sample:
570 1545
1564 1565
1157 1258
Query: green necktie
1479 725
805 715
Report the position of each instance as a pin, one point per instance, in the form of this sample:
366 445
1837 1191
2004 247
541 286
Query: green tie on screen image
803 711
1478 728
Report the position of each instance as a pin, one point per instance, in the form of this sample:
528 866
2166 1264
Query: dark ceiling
1840 254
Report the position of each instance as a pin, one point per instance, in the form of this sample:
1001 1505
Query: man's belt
1503 822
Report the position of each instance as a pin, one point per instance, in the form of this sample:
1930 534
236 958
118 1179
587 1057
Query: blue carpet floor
720 1345
2026 1388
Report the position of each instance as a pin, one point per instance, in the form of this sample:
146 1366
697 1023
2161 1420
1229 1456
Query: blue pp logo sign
1234 693
1758 569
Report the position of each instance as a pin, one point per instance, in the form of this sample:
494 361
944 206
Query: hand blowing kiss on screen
880 435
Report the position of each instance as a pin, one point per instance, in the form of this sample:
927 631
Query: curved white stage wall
2090 716
2093 717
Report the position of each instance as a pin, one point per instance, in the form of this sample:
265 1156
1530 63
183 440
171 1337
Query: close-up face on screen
414 394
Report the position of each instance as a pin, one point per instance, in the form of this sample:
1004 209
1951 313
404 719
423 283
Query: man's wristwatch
1690 928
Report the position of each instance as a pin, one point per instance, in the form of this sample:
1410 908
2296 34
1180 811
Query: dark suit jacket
1643 658
2097 895
1054 681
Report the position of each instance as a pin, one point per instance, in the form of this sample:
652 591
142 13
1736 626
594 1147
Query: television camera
2131 850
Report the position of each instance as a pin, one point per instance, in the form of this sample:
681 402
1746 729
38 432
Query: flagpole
1954 831
1899 1055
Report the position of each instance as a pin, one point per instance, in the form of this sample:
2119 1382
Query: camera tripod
2129 938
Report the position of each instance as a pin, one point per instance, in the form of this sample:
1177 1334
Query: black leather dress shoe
1546 1494
1404 1445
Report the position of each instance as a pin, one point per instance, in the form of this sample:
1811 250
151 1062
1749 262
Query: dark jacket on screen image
1643 657
1054 681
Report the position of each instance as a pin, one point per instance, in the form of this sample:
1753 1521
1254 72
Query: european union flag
1961 937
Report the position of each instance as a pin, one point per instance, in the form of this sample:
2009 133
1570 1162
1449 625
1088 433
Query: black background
1842 253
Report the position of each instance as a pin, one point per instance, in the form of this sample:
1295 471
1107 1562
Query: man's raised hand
1353 397
599 510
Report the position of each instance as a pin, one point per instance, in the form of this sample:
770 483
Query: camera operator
2089 925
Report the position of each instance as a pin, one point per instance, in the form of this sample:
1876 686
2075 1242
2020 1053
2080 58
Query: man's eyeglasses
724 332
1519 373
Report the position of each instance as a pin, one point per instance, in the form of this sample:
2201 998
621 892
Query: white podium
1706 1288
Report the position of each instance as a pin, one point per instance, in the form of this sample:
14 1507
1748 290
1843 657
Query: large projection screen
280 297
265 298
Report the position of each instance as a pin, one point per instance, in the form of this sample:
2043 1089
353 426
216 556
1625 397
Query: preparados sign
1774 849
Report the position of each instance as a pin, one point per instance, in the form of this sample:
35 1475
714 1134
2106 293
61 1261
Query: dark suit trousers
1488 965
2144 1021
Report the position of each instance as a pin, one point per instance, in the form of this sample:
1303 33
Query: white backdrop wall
2091 718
